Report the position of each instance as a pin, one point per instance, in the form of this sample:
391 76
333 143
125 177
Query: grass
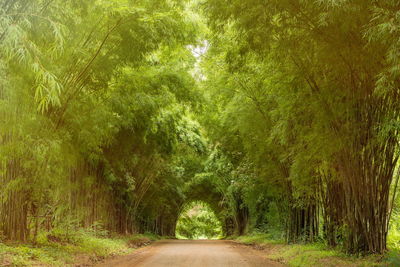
57 249
261 239
316 254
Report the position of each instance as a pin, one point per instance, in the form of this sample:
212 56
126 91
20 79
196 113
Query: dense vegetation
282 116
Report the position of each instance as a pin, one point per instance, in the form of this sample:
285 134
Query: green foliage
306 107
96 100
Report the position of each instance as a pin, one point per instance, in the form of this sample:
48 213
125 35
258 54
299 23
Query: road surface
192 253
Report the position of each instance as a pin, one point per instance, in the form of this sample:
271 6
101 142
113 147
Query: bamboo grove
282 116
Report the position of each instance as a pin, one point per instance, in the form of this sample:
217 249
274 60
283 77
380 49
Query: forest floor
315 254
85 249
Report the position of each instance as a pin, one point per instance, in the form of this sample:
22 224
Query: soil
193 253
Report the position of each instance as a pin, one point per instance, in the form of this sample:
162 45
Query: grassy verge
316 254
81 248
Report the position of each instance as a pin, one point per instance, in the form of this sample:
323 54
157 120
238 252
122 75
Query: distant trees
198 221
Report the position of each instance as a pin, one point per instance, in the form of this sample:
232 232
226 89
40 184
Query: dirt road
192 253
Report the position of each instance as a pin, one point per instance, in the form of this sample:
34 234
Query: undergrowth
316 254
60 248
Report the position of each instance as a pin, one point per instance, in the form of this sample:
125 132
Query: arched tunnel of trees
281 116
206 190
